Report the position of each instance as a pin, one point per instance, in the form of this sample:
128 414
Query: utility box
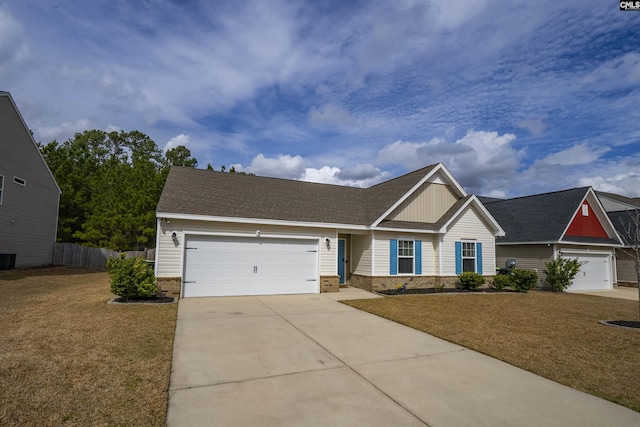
7 261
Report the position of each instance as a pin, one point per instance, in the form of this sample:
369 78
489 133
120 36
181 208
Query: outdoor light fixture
328 241
257 233
174 235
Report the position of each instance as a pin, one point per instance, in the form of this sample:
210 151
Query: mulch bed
153 300
446 291
629 324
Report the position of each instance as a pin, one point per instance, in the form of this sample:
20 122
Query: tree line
111 183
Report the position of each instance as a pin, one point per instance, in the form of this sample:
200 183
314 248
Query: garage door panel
221 265
594 274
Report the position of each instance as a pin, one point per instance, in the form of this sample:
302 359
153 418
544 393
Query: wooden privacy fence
83 256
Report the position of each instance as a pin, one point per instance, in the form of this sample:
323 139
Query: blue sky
513 97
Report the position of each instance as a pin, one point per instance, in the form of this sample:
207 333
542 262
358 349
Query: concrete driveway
309 360
618 292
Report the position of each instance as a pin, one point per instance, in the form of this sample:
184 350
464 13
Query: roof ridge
538 195
404 175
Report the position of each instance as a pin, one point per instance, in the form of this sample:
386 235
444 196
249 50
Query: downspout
373 252
155 264
440 241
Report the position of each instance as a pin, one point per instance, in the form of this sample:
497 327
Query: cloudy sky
514 97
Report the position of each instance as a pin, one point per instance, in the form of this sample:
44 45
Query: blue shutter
458 257
417 249
393 257
479 257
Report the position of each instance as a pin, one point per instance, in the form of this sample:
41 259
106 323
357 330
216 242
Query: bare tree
631 236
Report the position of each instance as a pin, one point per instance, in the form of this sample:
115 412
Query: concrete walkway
309 360
619 292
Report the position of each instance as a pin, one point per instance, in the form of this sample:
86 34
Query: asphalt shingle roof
537 218
210 193
624 222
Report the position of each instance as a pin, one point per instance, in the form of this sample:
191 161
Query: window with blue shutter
418 256
393 257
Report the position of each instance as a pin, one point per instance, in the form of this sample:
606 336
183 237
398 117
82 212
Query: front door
342 249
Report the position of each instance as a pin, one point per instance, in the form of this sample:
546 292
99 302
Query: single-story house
232 234
570 223
29 194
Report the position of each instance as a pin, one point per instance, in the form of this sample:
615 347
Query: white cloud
176 141
626 184
535 126
482 161
14 50
331 116
281 166
619 72
578 154
64 130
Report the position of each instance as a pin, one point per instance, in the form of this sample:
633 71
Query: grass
555 335
69 358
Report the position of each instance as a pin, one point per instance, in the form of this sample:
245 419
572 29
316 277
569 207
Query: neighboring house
231 234
29 194
619 208
570 223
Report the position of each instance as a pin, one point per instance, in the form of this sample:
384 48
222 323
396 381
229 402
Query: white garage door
595 274
219 266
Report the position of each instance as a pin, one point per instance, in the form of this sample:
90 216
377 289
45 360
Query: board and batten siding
170 253
361 254
426 204
28 213
468 226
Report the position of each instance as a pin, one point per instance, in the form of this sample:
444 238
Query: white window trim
585 209
20 181
413 257
475 255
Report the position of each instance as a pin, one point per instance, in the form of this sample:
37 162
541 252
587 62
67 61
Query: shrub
561 272
470 280
501 281
131 278
523 280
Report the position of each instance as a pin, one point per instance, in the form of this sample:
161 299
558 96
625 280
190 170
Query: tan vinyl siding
382 248
169 258
28 213
529 257
426 204
625 267
361 254
383 251
469 226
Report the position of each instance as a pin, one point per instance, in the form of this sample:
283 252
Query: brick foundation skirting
329 283
385 283
170 284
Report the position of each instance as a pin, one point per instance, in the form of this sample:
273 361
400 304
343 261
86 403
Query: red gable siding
586 226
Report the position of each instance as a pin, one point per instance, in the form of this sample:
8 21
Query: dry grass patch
555 335
67 357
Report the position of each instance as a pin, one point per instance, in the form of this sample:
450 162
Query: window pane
405 247
468 249
469 264
405 265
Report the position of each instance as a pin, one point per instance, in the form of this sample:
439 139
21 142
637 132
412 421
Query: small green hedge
131 278
523 280
561 272
501 281
470 280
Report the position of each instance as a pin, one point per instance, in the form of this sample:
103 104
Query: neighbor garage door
219 266
595 274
